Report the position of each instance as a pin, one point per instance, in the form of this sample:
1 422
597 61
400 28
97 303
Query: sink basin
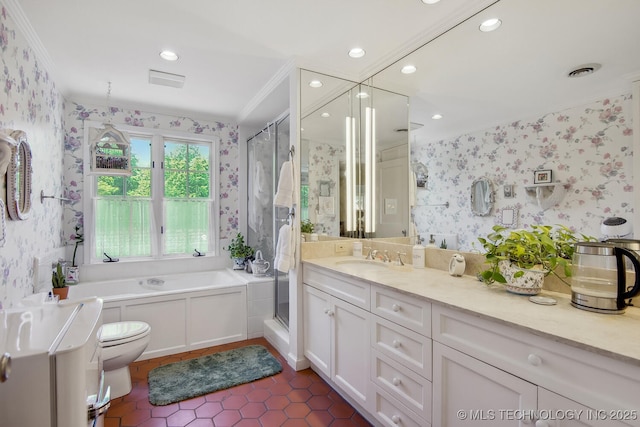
366 263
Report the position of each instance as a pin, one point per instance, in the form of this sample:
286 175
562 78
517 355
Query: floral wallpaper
588 148
324 170
74 140
30 102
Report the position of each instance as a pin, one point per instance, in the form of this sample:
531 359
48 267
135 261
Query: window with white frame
166 208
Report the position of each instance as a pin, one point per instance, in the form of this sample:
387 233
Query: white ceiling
229 49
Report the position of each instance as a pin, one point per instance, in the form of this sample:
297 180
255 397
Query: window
166 208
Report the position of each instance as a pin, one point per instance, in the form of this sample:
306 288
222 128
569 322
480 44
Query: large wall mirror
354 158
478 81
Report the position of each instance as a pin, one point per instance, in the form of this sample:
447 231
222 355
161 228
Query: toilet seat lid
110 333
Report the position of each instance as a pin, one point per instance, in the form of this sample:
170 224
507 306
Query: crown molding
275 80
22 23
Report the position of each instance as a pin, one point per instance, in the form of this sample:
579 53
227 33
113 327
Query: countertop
612 335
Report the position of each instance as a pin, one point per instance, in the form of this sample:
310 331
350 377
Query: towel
284 194
413 185
285 249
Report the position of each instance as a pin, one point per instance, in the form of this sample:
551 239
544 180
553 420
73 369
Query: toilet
121 343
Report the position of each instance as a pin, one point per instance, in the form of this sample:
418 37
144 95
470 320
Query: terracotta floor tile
287 399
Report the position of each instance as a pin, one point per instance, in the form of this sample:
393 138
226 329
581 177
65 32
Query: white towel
413 185
285 249
284 194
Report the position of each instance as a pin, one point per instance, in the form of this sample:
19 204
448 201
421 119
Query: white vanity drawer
407 311
390 412
350 290
592 379
402 345
414 391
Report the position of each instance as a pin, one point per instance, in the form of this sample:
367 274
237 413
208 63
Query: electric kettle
599 277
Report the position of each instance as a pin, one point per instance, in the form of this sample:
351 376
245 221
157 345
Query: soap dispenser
418 253
432 242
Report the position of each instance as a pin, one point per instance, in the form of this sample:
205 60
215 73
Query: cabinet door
351 349
469 392
555 410
317 328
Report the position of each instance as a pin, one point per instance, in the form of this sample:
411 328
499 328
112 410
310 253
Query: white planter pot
529 283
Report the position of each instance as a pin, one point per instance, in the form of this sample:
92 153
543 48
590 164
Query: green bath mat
194 377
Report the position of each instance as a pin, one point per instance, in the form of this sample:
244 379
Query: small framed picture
542 176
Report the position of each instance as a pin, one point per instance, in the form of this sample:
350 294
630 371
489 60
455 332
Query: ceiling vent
166 79
584 70
413 126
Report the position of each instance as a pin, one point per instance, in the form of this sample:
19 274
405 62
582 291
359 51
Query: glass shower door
281 216
266 152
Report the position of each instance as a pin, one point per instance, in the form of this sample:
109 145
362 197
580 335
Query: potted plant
520 259
59 283
239 252
306 226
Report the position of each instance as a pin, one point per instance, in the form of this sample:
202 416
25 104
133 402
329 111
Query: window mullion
157 193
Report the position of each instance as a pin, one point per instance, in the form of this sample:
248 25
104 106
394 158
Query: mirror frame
19 177
482 210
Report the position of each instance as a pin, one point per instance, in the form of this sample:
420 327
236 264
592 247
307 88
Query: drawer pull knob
396 419
330 313
542 423
395 307
396 381
534 359
396 343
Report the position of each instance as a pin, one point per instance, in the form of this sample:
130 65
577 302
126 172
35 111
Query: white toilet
121 343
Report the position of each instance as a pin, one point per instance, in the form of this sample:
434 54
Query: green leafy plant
543 247
306 226
238 249
57 277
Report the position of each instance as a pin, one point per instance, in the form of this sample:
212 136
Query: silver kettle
600 275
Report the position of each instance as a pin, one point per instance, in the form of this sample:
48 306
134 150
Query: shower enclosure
267 150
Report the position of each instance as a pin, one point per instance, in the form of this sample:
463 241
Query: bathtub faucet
109 259
197 253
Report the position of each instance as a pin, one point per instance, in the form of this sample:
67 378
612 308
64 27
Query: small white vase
529 283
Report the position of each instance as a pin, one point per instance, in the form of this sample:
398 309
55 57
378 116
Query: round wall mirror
481 197
19 176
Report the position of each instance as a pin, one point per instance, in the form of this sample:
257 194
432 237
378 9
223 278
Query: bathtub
186 311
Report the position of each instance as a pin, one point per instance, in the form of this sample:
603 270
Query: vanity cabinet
481 365
401 361
336 341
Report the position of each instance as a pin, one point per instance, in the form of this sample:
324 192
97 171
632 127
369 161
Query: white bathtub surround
190 310
277 335
185 311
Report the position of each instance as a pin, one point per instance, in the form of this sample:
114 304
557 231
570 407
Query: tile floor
288 399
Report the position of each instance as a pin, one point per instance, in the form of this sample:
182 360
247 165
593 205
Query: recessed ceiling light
430 1
362 95
357 52
408 69
490 25
436 116
169 55
325 115
315 83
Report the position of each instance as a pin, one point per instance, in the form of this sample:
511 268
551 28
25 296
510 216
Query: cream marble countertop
615 336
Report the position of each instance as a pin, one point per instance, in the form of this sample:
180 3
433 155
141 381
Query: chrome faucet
373 254
399 259
370 253
385 257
